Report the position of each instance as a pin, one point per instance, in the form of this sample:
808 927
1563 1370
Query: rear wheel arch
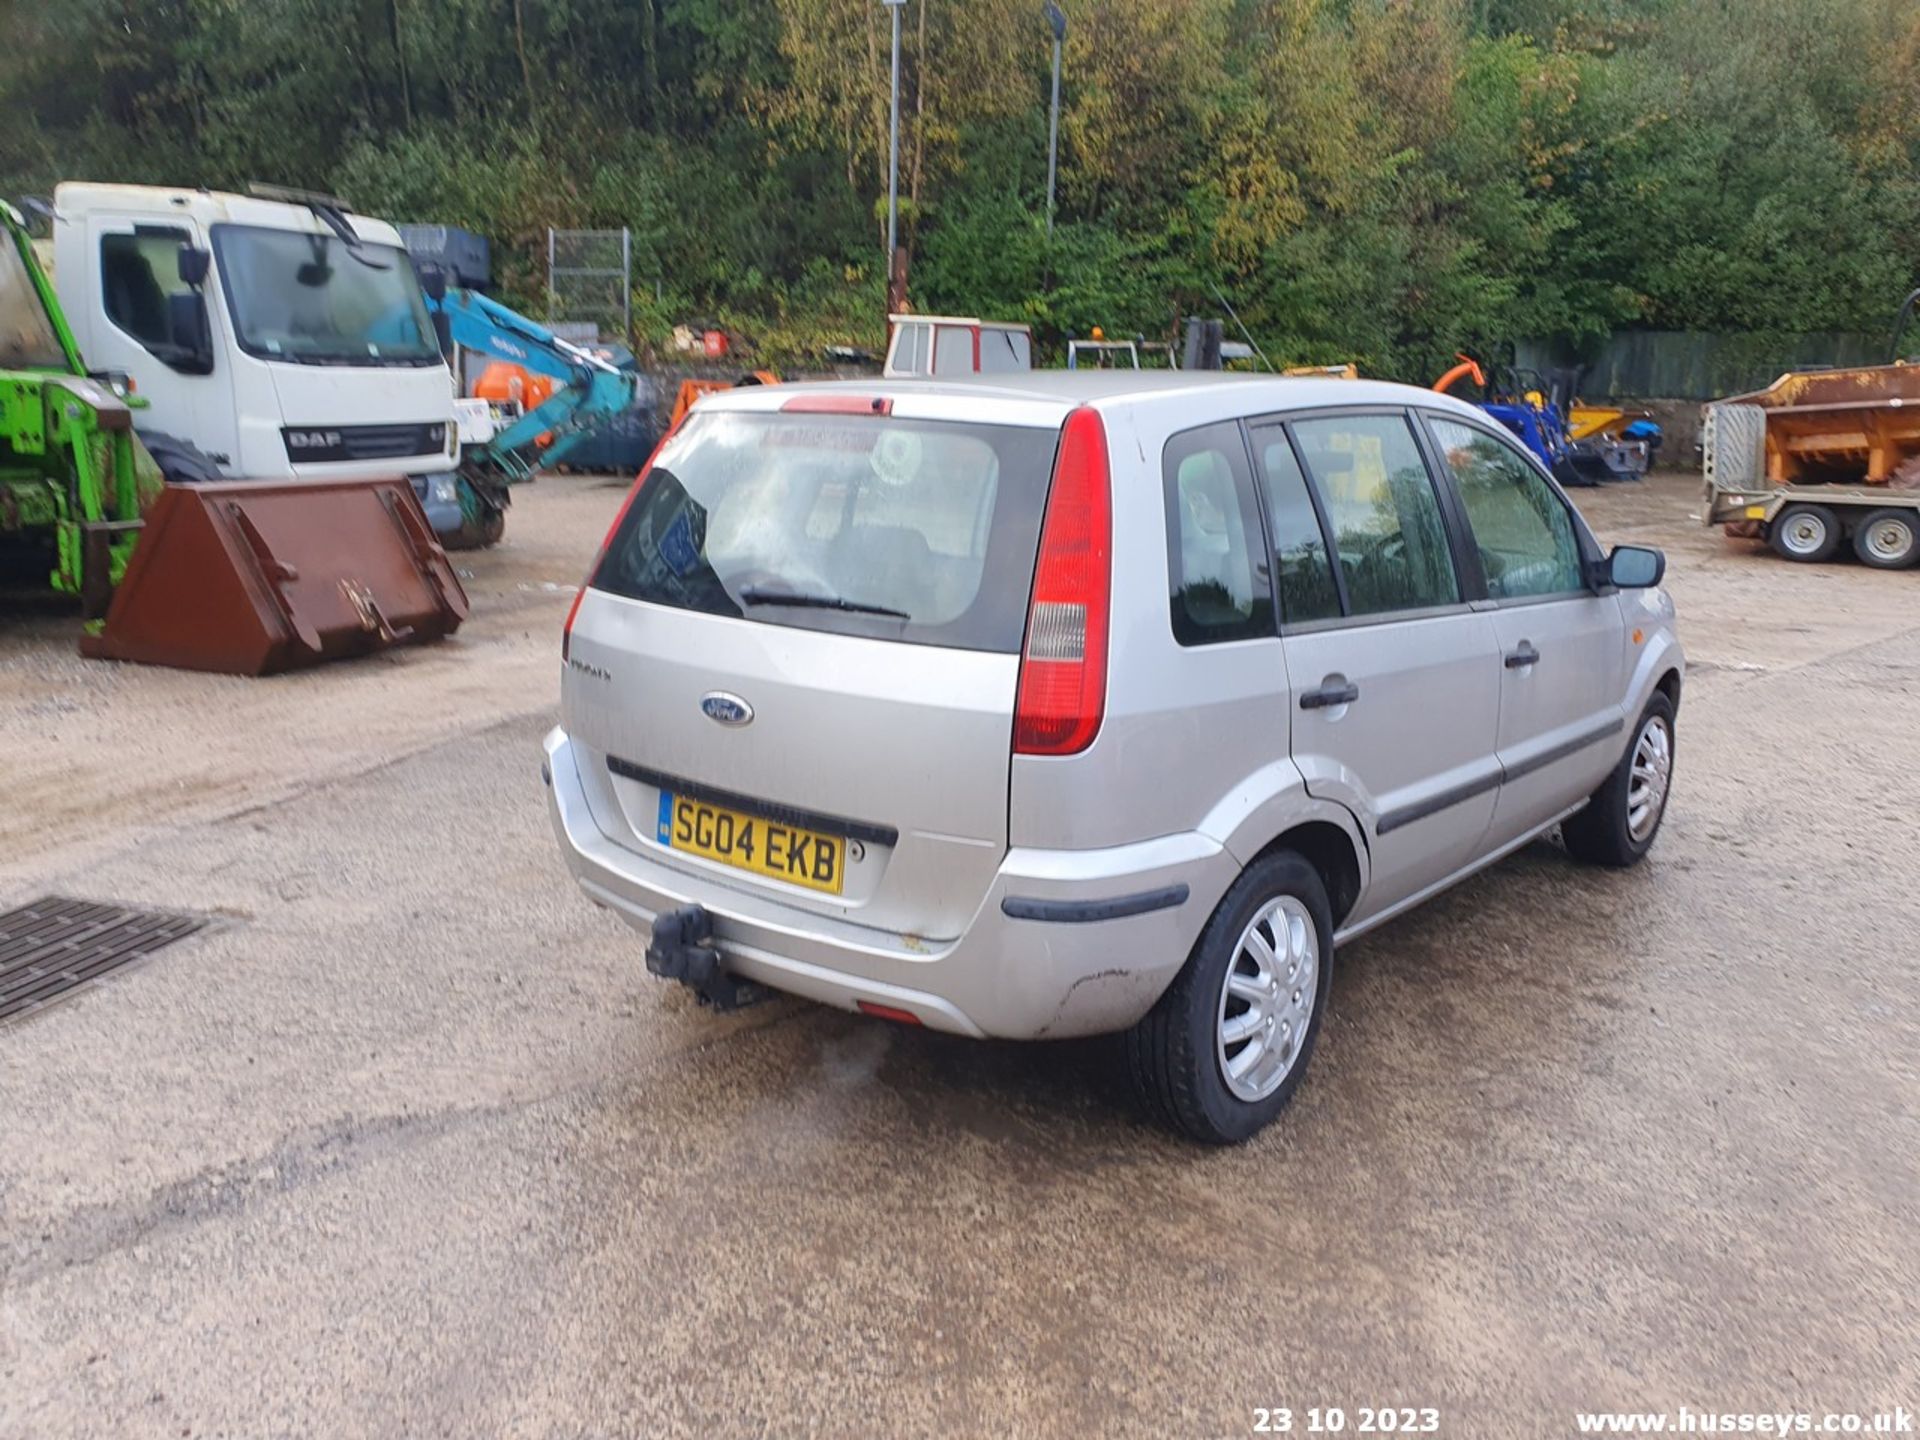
1332 852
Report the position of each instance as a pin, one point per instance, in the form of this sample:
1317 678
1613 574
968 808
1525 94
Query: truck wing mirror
192 335
193 266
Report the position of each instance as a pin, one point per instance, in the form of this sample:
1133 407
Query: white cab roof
909 318
75 198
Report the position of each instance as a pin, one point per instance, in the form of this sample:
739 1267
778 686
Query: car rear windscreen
913 530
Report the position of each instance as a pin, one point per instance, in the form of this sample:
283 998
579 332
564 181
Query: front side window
143 294
911 530
312 300
27 341
1382 510
1522 530
1215 551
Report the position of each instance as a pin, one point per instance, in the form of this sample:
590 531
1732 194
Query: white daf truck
274 335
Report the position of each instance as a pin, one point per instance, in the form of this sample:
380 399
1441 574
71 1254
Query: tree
1379 180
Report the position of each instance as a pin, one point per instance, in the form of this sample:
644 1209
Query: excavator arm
593 390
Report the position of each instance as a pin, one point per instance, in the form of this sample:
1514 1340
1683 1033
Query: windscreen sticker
678 547
793 435
896 458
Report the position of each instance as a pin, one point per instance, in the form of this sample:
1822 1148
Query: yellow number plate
751 842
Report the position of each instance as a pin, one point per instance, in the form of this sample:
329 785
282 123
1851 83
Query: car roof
1061 390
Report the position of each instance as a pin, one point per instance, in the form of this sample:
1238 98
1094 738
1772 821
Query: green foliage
1386 181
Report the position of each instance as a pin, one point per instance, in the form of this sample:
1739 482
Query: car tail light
606 542
1063 670
887 1012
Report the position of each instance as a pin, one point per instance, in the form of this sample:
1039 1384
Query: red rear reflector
887 1012
1063 670
566 631
839 405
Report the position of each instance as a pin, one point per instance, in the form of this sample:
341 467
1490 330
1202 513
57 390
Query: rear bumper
1064 943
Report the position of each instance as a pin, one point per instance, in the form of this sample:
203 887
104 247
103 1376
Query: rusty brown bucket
256 577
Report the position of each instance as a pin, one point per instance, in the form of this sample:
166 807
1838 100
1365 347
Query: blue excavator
593 392
1542 414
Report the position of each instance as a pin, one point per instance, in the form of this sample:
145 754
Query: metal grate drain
51 947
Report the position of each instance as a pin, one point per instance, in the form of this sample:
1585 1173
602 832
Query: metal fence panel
1695 365
590 279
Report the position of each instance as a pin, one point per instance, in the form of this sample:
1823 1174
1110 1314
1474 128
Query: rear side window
919 531
953 351
1382 511
1307 591
1216 553
1004 351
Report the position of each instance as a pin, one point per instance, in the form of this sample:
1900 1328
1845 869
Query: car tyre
1807 533
181 462
1619 823
1236 993
1887 540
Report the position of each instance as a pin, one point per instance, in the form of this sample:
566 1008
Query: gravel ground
410 1144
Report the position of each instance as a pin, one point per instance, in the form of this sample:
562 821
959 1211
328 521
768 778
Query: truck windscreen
311 300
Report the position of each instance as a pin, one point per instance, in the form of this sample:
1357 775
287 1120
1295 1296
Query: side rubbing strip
1434 804
1567 747
1083 912
1446 799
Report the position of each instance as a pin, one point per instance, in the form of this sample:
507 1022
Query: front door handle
1523 656
1333 691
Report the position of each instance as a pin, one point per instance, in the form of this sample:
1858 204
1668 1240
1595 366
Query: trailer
1818 460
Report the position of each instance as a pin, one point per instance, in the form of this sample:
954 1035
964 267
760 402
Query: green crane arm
17 236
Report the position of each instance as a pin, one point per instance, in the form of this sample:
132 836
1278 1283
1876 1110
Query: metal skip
257 577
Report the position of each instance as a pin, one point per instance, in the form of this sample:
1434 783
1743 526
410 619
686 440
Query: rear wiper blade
799 600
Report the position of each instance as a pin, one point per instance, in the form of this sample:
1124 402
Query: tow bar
682 949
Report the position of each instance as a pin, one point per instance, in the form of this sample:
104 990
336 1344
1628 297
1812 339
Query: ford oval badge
725 708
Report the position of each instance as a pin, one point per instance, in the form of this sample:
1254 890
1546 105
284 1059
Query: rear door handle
1330 693
1525 655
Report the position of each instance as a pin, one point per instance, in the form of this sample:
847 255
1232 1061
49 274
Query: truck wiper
799 600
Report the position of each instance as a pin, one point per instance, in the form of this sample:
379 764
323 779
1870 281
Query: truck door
147 321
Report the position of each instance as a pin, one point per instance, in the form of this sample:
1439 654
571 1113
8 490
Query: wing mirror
193 266
1635 567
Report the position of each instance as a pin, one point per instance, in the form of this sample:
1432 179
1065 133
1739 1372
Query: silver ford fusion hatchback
1094 702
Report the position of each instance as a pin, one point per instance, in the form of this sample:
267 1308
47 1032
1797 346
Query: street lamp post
1057 22
893 142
